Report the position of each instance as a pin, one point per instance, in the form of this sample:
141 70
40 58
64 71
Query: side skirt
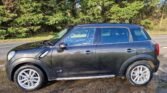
86 77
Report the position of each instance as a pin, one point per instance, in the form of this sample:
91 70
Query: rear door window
114 35
140 34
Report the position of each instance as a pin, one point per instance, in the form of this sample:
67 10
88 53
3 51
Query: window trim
145 32
94 37
129 35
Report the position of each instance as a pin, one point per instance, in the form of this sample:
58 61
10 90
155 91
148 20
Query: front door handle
88 52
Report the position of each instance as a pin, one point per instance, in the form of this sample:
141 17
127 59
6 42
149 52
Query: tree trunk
161 20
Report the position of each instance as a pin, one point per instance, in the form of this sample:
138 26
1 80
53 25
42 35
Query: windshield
57 36
61 33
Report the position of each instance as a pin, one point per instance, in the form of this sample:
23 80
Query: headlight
11 55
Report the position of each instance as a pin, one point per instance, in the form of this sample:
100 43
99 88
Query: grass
41 36
157 32
47 35
160 30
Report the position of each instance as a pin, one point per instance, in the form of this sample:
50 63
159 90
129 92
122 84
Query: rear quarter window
139 34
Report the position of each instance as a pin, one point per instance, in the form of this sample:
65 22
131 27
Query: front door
78 59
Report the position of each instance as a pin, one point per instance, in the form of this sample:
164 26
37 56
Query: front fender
153 61
13 66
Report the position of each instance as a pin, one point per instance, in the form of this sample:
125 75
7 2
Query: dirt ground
111 85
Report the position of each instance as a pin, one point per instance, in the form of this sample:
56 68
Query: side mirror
62 46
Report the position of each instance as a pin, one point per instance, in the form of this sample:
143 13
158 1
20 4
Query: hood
31 50
35 45
28 46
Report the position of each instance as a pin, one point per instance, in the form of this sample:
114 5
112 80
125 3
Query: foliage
147 23
24 18
127 13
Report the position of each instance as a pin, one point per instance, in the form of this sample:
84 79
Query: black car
84 52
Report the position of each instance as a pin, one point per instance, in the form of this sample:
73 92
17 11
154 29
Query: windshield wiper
48 43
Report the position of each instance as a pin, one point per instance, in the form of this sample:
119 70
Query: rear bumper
156 65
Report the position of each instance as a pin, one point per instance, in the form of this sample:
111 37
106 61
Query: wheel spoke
30 72
23 76
29 84
136 78
23 80
26 74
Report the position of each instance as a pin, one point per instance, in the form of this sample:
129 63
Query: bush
23 18
3 33
146 23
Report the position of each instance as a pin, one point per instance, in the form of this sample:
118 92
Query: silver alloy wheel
140 74
28 79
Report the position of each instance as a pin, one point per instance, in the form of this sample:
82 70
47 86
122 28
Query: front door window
80 36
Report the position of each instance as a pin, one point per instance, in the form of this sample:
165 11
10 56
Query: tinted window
140 35
80 36
114 35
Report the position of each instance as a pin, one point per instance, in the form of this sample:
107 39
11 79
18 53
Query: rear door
113 48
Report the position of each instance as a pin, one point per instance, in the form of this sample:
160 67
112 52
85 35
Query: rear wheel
139 73
29 77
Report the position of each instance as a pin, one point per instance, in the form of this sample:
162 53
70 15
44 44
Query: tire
27 81
138 77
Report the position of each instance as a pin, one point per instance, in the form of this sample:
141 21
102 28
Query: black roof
110 24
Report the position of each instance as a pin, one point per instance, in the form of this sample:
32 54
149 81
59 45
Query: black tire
40 74
132 66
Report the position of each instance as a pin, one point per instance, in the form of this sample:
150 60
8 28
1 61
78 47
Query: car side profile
84 52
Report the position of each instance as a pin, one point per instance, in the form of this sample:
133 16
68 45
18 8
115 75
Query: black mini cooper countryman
85 52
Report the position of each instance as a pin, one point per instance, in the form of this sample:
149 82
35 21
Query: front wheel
139 73
29 77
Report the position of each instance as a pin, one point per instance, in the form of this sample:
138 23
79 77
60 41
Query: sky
162 1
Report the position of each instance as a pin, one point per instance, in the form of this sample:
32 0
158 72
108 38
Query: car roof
110 24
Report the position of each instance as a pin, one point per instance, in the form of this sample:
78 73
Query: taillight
157 49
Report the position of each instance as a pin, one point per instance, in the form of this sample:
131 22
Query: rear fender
143 57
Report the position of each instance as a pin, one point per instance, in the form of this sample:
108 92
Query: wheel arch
127 63
18 63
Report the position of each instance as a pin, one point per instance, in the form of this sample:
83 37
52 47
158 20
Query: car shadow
110 85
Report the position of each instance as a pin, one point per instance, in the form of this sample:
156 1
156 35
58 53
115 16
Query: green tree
24 18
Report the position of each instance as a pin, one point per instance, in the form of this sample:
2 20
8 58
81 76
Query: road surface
5 47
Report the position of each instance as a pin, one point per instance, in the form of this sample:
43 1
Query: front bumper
8 70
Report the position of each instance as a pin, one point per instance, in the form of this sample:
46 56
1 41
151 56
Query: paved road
162 40
5 47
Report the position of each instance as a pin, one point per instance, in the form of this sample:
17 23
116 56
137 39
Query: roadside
41 36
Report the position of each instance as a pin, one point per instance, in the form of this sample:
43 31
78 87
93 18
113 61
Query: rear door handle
129 50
